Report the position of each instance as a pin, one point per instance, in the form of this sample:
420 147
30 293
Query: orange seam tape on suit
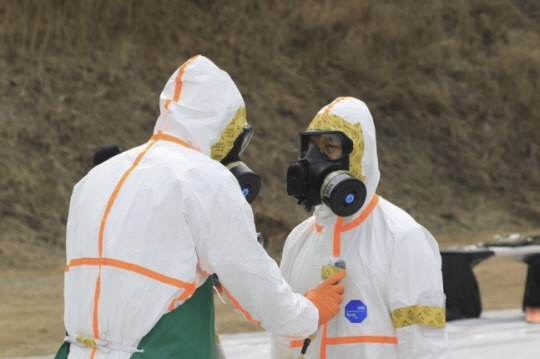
102 231
357 339
362 217
376 339
337 236
239 307
339 227
322 353
115 194
132 268
162 136
190 287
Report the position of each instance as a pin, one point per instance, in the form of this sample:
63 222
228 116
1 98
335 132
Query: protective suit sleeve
225 238
415 285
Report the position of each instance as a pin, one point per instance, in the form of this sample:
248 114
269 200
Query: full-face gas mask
249 181
321 175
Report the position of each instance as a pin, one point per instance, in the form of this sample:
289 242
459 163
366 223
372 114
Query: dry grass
451 86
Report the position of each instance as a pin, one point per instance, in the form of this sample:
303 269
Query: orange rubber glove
327 297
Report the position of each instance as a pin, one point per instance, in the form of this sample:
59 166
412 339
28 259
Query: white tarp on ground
497 334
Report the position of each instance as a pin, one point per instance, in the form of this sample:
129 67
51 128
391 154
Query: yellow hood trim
224 145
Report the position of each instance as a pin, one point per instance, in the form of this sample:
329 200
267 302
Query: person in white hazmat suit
393 306
148 227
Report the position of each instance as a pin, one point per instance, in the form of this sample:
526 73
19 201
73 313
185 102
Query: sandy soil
32 303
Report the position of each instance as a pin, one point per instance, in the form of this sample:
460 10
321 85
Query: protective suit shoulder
396 219
196 171
211 170
404 233
108 173
301 231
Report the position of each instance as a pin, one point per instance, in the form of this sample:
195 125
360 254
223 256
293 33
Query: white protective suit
393 306
147 227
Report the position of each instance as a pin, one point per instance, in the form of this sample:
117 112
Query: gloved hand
327 297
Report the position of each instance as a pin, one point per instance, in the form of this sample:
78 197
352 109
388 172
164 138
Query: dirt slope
451 87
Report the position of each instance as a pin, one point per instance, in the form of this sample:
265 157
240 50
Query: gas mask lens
244 138
329 144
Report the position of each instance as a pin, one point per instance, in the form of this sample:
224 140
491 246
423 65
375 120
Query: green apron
187 332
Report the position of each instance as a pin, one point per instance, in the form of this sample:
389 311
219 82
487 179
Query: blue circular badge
355 311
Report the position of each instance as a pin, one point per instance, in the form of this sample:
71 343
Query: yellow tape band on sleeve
420 315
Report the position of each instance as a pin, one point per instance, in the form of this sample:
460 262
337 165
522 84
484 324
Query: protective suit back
131 254
148 227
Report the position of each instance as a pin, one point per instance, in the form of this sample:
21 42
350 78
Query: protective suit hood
198 103
352 117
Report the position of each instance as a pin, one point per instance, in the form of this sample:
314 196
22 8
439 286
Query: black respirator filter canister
343 193
249 181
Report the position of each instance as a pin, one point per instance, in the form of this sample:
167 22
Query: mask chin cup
343 193
250 182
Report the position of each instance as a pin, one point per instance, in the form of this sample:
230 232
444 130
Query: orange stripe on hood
335 102
178 82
